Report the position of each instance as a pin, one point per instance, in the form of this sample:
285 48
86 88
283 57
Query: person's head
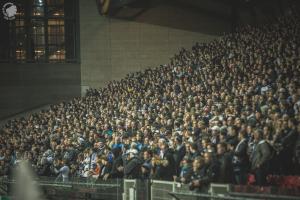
146 140
266 132
258 134
291 123
204 142
221 148
147 154
242 135
117 139
249 129
65 162
178 140
162 144
232 130
139 137
207 157
285 124
198 163
132 153
187 146
237 122
258 115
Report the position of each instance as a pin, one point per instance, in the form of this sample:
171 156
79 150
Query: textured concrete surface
111 48
27 86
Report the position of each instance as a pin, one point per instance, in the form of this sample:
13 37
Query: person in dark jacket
240 160
197 173
145 171
212 169
179 152
117 170
106 168
224 158
165 167
260 158
132 167
296 157
286 140
206 174
185 170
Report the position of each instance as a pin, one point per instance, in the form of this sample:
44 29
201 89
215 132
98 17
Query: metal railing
76 189
126 189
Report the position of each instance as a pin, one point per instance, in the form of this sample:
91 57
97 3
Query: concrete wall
27 86
111 48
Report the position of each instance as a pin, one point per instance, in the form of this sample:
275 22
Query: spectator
132 168
260 158
225 161
165 164
197 174
240 160
179 152
95 171
63 172
185 170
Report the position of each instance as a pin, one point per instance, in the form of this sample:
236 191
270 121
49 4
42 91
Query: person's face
163 146
207 158
238 122
284 124
249 129
290 124
256 136
220 149
146 155
231 131
196 165
146 141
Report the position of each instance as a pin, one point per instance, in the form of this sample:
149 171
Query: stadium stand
216 113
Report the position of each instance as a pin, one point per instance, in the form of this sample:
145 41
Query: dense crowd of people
215 113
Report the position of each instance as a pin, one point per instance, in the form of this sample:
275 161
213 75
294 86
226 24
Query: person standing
224 158
166 165
63 172
240 160
132 167
260 158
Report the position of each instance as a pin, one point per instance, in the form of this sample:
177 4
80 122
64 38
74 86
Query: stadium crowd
213 114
